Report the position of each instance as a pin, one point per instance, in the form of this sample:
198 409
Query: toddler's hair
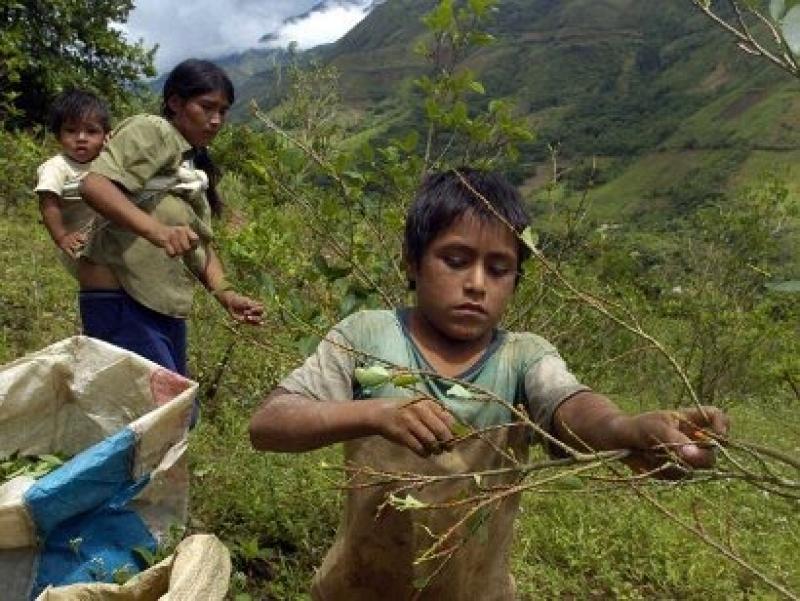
75 104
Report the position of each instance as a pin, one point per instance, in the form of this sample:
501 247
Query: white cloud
207 28
321 26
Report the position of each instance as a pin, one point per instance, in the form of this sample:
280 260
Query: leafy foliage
46 47
312 227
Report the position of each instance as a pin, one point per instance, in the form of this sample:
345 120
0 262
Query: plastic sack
200 568
123 420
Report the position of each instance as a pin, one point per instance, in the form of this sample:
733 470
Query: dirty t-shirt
145 155
373 556
62 176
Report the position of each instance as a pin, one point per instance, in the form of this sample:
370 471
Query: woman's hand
241 308
174 239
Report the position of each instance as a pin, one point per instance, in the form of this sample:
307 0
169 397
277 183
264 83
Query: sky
215 28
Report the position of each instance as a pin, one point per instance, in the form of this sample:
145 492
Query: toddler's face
82 139
466 278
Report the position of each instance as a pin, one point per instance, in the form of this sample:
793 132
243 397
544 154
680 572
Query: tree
769 29
47 46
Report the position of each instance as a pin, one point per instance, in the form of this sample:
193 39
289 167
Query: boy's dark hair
72 105
443 198
194 77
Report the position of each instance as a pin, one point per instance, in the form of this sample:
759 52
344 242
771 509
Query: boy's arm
589 421
105 197
50 207
290 422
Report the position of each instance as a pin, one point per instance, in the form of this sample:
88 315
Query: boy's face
466 278
82 139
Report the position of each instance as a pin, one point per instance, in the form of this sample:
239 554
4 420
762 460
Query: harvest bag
124 422
199 570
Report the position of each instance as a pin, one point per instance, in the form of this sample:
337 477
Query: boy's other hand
72 243
680 436
422 425
174 239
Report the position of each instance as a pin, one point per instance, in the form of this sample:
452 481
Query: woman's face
200 117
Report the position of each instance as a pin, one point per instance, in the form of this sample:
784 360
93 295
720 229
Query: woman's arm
105 197
241 308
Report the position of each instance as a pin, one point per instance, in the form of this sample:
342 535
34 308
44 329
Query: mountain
319 8
670 108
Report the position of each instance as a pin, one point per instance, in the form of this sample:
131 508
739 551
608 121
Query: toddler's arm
50 207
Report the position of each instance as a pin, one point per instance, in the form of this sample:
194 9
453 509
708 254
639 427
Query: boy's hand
421 425
241 308
661 436
174 239
72 242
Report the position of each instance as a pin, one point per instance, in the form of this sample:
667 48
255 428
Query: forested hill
650 88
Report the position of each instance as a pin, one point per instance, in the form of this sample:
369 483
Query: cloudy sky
213 28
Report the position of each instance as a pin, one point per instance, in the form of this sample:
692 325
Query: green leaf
478 524
482 38
307 344
405 379
52 460
791 287
407 503
460 429
330 272
350 303
354 176
410 141
441 17
477 87
146 555
570 483
459 392
779 9
529 238
372 376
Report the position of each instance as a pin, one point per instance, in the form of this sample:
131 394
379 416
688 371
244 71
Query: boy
80 122
463 263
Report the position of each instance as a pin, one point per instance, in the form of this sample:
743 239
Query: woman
155 184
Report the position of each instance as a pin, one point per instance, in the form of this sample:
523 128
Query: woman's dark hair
188 79
73 105
443 198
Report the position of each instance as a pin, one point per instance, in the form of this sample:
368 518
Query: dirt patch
743 104
543 176
715 80
236 220
566 35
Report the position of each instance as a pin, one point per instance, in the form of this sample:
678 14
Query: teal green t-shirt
376 552
520 368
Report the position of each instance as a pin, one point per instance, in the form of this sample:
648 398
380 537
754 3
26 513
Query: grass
576 545
277 513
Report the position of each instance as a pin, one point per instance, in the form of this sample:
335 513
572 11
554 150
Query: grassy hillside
654 89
